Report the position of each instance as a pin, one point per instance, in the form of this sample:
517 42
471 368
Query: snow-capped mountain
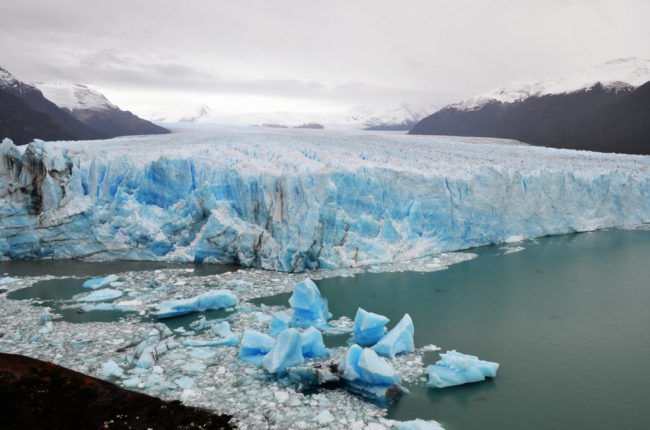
605 108
402 117
202 113
615 75
95 110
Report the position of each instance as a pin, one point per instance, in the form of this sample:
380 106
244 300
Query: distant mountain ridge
573 113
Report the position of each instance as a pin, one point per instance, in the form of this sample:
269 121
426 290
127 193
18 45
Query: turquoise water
568 319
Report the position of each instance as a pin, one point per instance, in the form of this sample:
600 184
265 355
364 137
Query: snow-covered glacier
291 200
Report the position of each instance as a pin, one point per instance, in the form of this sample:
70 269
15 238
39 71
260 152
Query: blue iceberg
254 346
455 368
370 376
100 282
287 352
228 338
309 307
397 341
308 377
215 299
312 343
279 323
368 328
98 296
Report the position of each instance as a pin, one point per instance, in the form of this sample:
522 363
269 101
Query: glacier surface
291 200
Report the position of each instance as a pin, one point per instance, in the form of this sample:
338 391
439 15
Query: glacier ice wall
297 200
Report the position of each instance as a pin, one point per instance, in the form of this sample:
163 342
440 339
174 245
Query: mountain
22 124
573 113
94 110
404 117
201 113
39 103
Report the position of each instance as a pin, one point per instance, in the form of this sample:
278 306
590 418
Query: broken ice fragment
397 341
99 282
111 368
279 323
416 424
240 283
6 280
228 338
312 343
287 352
47 328
310 308
98 296
106 307
254 346
185 382
212 300
323 417
18 336
455 368
367 374
369 328
44 319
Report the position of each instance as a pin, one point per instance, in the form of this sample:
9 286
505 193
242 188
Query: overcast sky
310 55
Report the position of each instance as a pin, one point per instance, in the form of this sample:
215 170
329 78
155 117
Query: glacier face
291 200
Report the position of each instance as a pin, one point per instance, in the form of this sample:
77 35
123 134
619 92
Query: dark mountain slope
22 124
116 122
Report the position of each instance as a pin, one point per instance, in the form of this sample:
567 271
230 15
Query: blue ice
397 341
106 307
98 296
7 280
310 308
100 282
227 337
369 328
111 368
215 299
287 352
279 323
312 343
367 374
254 346
455 368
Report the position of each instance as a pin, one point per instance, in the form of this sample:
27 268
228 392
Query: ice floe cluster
248 361
294 202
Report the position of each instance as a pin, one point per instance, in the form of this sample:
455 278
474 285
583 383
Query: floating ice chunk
312 343
279 323
323 417
111 368
364 365
98 296
185 382
240 283
262 318
44 319
228 338
47 328
514 239
106 307
194 367
287 352
369 328
397 341
254 346
149 354
18 336
430 347
455 368
100 282
202 354
131 383
310 308
416 424
215 299
314 376
7 280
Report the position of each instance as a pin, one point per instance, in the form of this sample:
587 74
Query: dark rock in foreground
41 395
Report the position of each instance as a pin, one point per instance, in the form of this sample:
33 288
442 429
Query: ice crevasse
279 203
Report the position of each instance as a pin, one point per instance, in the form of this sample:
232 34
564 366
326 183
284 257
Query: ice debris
309 307
215 299
100 282
416 424
111 368
279 322
397 341
157 341
44 319
287 352
101 295
106 307
367 374
368 328
7 280
455 368
226 337
254 346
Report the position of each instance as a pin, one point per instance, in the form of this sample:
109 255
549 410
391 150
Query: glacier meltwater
302 199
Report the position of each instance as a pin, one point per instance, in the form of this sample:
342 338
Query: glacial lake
567 318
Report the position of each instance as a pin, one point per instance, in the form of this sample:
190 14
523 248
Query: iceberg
368 328
156 342
367 374
302 202
215 299
287 352
111 368
397 341
7 280
254 346
279 322
417 424
455 368
309 307
314 376
101 295
100 282
312 343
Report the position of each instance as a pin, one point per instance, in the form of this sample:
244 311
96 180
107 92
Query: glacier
295 200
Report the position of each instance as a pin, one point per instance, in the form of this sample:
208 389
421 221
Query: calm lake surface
567 318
